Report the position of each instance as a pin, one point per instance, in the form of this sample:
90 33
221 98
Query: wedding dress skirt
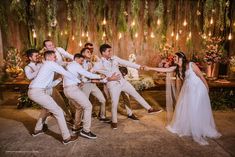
193 114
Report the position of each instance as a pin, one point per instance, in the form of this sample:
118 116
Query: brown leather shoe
114 125
151 111
70 140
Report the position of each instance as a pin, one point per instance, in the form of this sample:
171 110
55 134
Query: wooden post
1 49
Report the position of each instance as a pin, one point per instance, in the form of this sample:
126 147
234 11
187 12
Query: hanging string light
211 21
104 22
152 35
230 36
65 32
119 35
185 23
34 34
133 23
158 22
209 33
177 36
83 34
87 34
49 34
73 37
172 33
80 43
61 33
136 35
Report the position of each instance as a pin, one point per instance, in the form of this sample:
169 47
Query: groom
108 65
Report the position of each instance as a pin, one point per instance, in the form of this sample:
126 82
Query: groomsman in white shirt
73 92
31 71
108 65
59 52
91 88
37 93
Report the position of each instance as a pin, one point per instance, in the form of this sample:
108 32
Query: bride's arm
199 74
170 69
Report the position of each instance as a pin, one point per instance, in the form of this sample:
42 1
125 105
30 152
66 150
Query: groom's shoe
151 111
133 117
114 125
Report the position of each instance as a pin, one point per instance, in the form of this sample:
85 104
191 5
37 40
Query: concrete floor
146 138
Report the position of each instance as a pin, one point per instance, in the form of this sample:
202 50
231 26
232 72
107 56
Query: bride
193 114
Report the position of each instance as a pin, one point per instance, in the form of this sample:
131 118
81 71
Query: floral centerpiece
214 50
13 63
213 55
167 56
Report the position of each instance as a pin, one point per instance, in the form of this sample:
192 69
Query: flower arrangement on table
167 56
13 63
145 82
214 50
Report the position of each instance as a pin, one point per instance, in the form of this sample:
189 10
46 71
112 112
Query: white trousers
49 105
91 88
115 89
75 94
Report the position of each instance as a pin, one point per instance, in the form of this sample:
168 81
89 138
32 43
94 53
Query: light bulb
61 33
133 23
152 35
172 33
211 21
209 33
185 23
87 35
230 36
49 34
83 34
158 22
73 37
190 34
119 35
80 43
177 37
104 35
104 22
136 35
65 32
34 34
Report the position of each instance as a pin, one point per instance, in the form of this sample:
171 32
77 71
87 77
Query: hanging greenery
135 9
3 17
19 8
207 13
122 22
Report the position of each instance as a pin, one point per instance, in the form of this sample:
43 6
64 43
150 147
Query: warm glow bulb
152 35
211 21
177 37
190 34
158 22
73 37
185 23
61 33
204 36
172 34
104 35
65 32
49 34
104 22
209 33
133 23
87 35
230 36
80 43
120 36
34 35
83 34
136 35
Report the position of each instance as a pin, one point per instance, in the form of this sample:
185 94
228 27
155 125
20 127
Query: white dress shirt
77 70
108 67
60 54
46 73
31 70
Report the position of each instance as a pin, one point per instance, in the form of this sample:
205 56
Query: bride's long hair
181 55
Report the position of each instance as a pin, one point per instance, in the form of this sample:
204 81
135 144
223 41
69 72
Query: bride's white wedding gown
193 114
